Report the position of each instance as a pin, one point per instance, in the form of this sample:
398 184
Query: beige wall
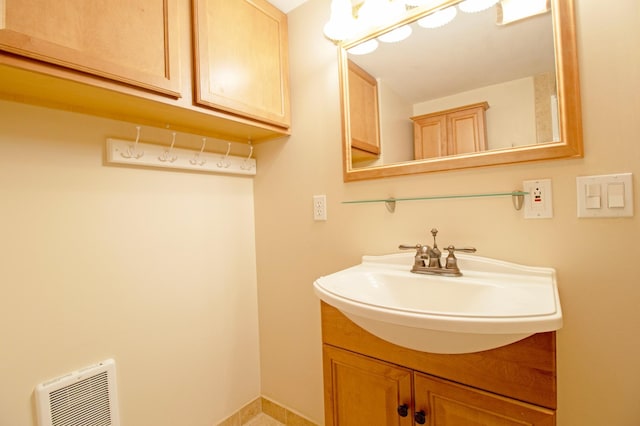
596 259
153 268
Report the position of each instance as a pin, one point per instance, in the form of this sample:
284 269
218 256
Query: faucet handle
419 248
452 260
451 249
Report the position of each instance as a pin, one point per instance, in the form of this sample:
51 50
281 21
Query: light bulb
374 13
341 23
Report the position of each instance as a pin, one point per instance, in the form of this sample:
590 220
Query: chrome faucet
428 260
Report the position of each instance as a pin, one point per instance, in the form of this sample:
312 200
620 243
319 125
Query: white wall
598 348
153 268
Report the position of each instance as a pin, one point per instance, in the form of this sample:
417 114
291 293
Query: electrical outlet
537 203
320 207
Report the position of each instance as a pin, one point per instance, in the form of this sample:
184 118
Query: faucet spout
428 260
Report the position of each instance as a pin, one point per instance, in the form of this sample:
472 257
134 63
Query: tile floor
263 412
263 420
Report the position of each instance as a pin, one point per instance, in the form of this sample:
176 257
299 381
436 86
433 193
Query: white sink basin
493 304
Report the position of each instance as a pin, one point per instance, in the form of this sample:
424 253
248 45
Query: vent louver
85 397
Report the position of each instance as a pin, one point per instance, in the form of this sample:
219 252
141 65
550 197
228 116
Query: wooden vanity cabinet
454 131
130 41
241 59
368 381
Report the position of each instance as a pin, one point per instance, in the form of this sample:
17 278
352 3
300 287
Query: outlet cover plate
538 202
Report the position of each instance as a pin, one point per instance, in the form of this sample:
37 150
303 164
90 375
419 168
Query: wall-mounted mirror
468 94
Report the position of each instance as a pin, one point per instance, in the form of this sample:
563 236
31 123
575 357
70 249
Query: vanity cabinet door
241 59
129 41
446 403
362 391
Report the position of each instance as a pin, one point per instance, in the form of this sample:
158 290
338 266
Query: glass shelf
517 198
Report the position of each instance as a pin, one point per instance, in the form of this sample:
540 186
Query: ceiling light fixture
439 18
341 22
472 6
396 35
416 3
374 13
364 48
509 11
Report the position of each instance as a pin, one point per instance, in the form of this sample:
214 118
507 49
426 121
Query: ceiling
286 5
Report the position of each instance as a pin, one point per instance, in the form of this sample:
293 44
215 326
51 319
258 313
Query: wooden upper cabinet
241 59
129 41
363 114
454 131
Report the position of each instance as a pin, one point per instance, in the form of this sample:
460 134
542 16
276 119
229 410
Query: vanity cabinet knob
420 417
403 410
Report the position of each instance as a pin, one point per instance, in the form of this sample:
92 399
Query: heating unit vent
86 397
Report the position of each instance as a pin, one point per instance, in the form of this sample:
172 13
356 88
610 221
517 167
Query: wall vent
86 397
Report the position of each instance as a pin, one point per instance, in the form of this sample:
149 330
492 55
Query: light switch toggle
615 192
594 196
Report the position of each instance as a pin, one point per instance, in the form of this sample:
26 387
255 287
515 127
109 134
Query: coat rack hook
166 154
132 150
224 161
196 161
246 164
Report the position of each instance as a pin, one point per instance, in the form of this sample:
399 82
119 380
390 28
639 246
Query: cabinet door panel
363 391
131 41
241 59
430 138
467 132
363 111
450 404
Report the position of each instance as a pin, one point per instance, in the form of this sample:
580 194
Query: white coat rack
138 154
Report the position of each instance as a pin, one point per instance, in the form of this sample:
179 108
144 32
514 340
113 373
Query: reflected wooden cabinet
130 41
363 114
241 59
368 381
454 131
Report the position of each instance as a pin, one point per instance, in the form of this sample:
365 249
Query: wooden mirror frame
570 115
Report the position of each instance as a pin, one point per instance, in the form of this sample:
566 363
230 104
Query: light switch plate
615 193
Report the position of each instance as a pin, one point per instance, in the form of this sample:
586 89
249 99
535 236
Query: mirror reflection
473 87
